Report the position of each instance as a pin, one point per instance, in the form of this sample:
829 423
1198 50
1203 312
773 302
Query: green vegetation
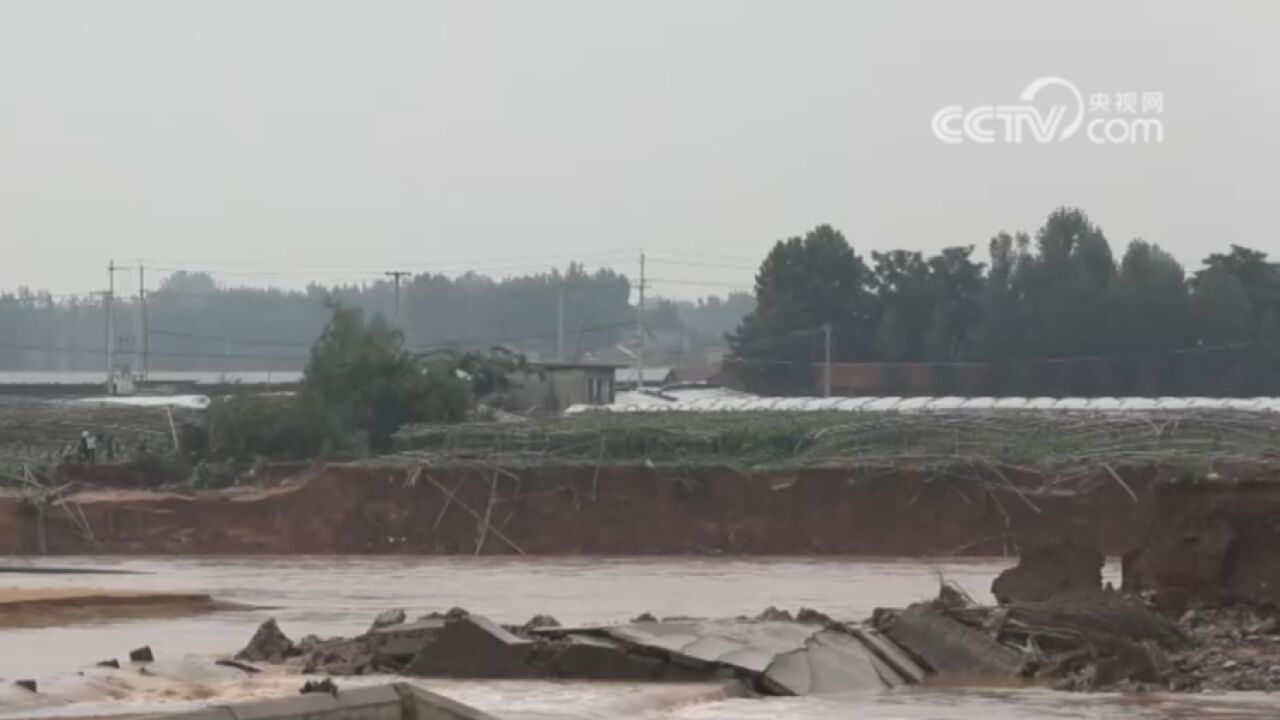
1061 295
360 386
1075 443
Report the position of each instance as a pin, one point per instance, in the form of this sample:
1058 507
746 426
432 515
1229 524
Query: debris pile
1236 648
1055 627
774 654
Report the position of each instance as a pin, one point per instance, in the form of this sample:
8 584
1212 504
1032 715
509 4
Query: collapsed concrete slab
744 645
583 657
392 644
779 657
890 654
772 656
830 662
474 647
947 646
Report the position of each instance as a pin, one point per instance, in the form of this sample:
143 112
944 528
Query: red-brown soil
565 509
1211 542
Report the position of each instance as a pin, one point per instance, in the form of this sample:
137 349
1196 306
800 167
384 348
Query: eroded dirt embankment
1212 543
567 509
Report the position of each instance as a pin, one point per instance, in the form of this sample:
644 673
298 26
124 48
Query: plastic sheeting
708 399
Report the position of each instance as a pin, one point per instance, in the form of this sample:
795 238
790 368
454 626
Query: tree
1257 278
1068 288
488 373
906 296
362 370
803 284
957 285
1151 301
1001 335
1220 309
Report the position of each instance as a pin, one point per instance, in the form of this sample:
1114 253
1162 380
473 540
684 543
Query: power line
448 344
698 263
224 338
374 265
699 283
439 345
99 352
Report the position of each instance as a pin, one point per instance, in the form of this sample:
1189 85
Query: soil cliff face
1210 542
551 510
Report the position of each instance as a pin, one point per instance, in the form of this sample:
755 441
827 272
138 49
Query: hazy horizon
276 143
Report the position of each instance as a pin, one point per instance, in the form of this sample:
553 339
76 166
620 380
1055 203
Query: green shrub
283 426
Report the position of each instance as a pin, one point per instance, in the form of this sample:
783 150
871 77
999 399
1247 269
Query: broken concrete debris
585 656
773 614
142 655
770 656
538 622
388 618
890 654
830 662
269 644
947 646
473 647
1089 642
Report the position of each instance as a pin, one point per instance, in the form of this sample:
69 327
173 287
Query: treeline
1060 295
197 324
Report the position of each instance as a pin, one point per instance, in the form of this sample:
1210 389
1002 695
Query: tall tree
362 370
1150 301
1006 315
957 285
906 300
804 283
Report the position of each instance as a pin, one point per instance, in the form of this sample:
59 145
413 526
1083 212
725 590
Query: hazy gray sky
258 137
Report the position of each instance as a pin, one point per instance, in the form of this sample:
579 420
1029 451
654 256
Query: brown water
331 596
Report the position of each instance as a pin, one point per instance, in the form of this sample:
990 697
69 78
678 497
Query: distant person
82 448
90 447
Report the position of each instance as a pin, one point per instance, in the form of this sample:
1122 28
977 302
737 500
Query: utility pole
560 323
108 304
826 365
143 329
640 327
396 275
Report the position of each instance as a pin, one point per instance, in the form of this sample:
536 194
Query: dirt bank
32 607
580 509
1211 543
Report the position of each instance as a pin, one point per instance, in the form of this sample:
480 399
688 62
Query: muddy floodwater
339 596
